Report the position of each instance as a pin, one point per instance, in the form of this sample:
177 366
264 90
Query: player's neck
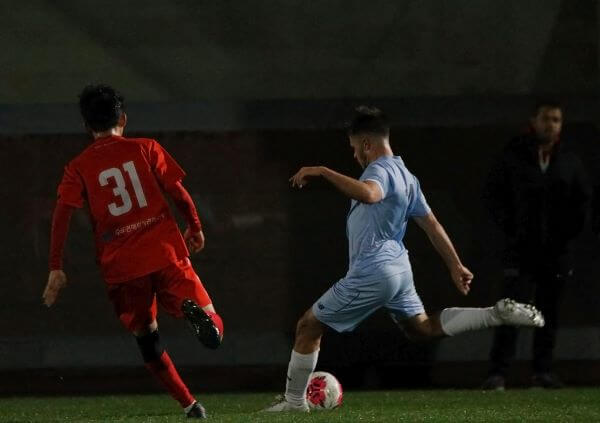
383 151
116 131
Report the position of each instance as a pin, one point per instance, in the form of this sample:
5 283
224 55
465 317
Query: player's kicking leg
303 361
182 295
453 321
204 322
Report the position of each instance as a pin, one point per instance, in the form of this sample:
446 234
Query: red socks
217 321
165 371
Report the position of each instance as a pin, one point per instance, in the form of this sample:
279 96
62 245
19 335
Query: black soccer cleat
202 325
196 412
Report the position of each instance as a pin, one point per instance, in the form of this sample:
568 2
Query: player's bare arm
56 281
363 191
461 276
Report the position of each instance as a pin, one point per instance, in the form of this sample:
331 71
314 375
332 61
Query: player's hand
56 281
194 240
462 278
301 177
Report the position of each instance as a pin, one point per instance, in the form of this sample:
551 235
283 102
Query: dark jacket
539 212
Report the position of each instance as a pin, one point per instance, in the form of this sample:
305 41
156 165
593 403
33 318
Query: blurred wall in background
188 50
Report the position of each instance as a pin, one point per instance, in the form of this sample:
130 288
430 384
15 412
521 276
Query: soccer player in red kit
142 255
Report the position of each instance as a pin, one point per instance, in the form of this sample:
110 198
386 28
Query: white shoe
513 313
283 405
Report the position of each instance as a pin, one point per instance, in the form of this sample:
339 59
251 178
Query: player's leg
303 361
181 293
407 310
158 362
342 308
456 320
547 297
135 304
419 327
309 331
520 288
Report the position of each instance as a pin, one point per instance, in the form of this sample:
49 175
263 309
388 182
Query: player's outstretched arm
58 235
461 276
194 237
363 191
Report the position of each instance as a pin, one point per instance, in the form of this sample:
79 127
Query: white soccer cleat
283 406
513 313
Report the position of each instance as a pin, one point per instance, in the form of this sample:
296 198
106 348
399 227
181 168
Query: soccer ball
324 391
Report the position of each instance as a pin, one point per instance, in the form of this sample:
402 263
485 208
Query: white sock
189 407
458 320
298 374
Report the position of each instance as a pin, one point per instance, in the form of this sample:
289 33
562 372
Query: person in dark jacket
539 196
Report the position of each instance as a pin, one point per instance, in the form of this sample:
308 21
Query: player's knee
308 326
144 329
420 331
150 346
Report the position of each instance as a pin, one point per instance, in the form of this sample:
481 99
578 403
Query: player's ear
366 144
123 120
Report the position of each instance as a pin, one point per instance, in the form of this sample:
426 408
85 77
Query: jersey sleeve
186 206
58 234
378 174
71 188
420 207
166 169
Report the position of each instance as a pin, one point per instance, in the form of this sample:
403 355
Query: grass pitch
577 405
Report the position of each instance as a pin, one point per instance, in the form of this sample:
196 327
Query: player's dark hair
101 107
549 103
369 120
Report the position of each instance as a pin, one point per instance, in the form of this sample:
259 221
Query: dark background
242 95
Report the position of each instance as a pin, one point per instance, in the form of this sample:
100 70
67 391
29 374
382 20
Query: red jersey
121 180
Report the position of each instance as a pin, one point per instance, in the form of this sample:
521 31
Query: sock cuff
444 321
457 319
189 407
305 361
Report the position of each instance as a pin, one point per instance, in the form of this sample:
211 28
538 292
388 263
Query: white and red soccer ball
324 391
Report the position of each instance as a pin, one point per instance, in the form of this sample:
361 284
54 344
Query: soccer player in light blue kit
380 275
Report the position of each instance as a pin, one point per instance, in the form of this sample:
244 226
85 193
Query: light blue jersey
379 274
375 231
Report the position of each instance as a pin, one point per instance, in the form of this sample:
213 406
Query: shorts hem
330 325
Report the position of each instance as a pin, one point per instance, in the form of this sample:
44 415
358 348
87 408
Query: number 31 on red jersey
121 190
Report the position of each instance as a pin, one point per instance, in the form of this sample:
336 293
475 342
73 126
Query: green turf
577 405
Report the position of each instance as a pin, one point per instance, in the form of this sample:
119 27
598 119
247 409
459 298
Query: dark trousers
544 290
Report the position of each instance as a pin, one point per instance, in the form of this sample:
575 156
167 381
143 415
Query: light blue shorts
352 299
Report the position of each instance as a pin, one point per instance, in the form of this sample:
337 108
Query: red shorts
135 300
